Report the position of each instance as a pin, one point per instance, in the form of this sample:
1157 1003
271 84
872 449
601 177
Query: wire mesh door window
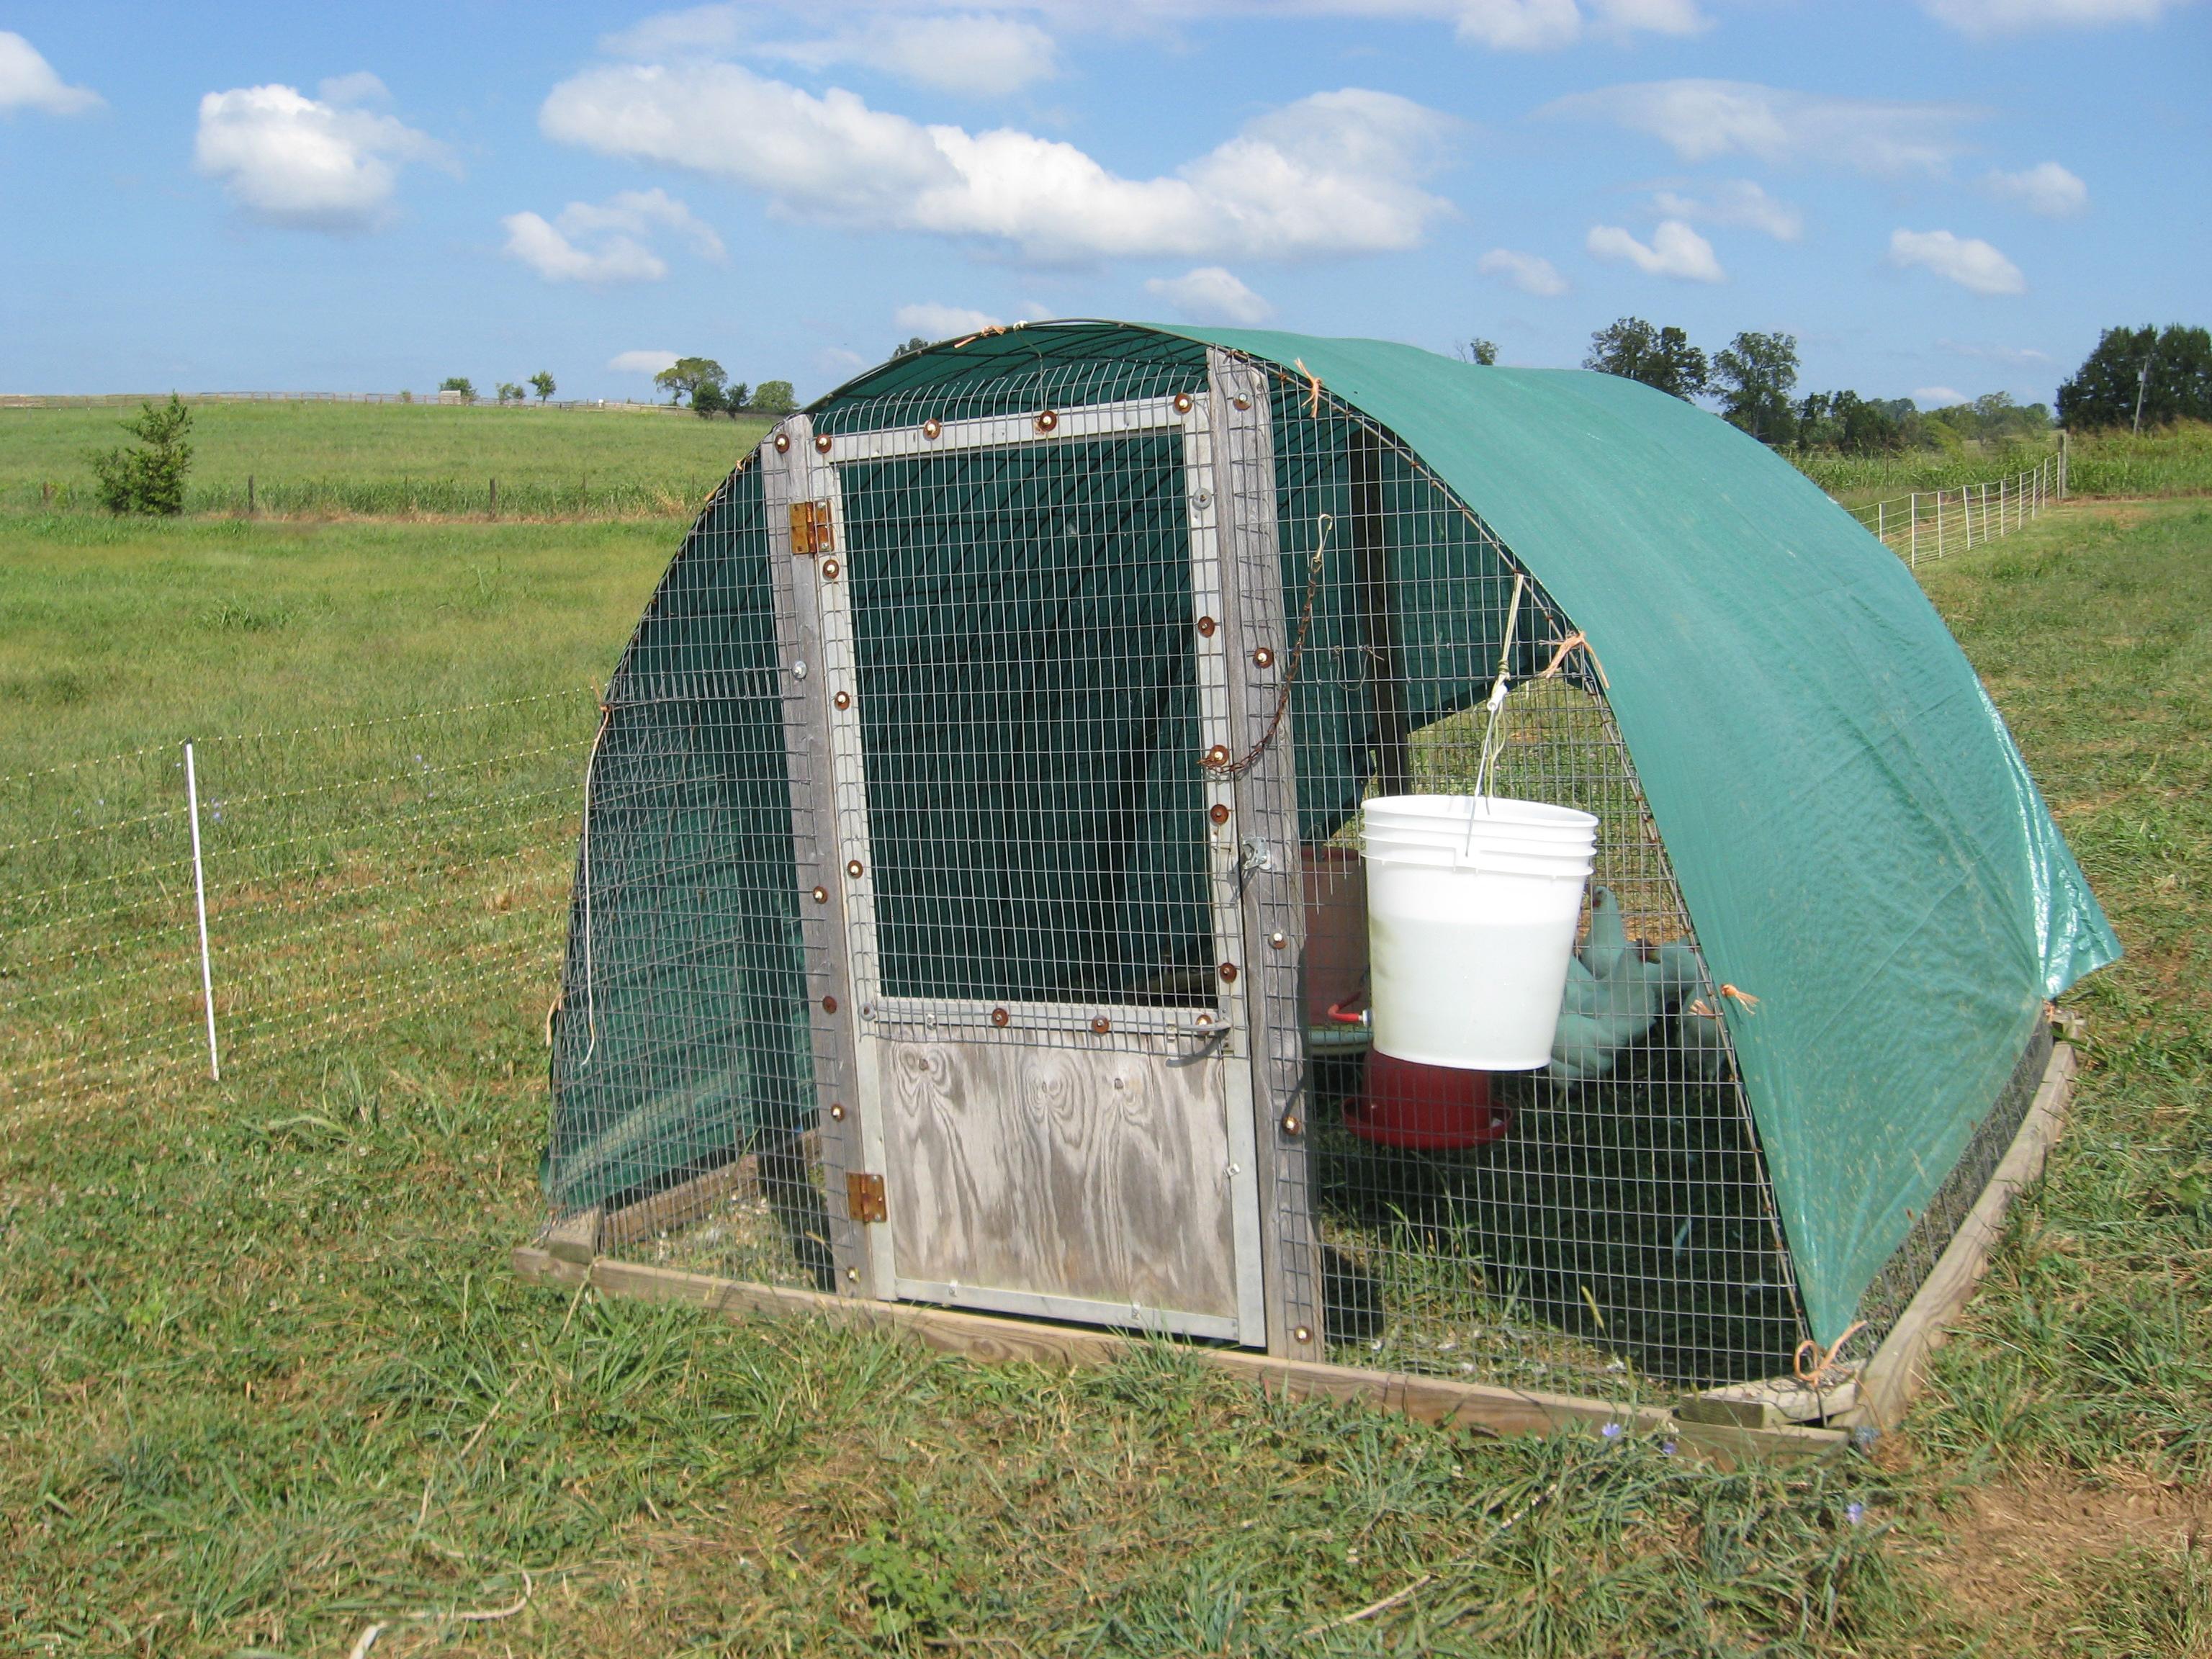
1610 1213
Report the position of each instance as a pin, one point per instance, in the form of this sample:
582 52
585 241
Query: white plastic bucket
1472 906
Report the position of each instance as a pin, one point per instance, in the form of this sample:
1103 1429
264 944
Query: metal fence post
200 900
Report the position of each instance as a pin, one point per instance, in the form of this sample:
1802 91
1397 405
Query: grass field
264 1379
388 459
2174 461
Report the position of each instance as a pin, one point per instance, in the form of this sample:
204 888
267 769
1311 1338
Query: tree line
2134 376
712 392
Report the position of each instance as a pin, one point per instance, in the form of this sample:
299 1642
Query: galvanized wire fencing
348 875
1931 524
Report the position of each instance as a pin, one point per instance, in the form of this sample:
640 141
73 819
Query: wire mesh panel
1611 1212
682 1077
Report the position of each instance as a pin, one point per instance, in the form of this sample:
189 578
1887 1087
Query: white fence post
199 899
1912 536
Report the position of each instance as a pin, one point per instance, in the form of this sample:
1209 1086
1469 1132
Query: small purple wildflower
1612 1430
1666 1448
1855 1513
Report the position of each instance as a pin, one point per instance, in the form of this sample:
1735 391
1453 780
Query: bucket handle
1498 690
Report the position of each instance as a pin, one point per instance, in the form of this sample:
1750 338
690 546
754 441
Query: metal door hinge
810 527
864 1198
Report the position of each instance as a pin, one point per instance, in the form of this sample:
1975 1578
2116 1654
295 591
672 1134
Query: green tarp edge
1857 839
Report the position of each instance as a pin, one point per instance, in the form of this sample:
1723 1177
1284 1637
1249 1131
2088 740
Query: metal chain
1238 769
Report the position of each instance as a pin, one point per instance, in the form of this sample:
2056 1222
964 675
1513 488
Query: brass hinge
864 1198
810 527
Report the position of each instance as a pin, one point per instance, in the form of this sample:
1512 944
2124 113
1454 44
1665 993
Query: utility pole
2142 385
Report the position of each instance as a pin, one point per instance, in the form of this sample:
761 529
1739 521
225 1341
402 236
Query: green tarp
1859 844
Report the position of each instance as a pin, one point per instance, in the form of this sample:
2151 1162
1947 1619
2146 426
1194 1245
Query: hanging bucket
1402 1103
1472 906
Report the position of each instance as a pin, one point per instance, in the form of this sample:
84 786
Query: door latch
864 1198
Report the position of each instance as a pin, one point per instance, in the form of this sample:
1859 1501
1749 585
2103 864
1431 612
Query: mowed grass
388 458
265 1380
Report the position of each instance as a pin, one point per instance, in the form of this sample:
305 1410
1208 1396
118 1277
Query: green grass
2175 460
386 458
264 1378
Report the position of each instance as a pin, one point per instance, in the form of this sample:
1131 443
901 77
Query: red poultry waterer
1403 1102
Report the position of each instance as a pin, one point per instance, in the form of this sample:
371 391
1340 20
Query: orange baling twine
1577 639
1705 1010
1815 1376
1313 388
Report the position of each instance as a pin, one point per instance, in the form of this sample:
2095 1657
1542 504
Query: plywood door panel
1088 1174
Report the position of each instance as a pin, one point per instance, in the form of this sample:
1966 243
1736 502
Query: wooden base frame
1747 1420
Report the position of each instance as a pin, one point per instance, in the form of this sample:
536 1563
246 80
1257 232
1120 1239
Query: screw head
851 1275
1228 973
829 570
1264 657
1102 1025
822 896
821 442
854 867
1218 812
1278 938
1183 403
1048 421
999 1016
837 1111
1303 1333
782 442
1206 626
843 700
932 426
829 1004
1217 756
1291 1125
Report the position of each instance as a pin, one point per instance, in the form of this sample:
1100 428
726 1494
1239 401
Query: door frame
852 1019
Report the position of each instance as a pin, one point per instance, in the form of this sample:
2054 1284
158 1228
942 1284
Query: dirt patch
2024 1553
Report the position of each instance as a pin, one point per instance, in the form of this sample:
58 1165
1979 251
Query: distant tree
682 378
1851 424
459 383
1477 350
542 383
734 398
706 399
774 398
149 477
1754 375
1660 357
511 394
2168 374
917 343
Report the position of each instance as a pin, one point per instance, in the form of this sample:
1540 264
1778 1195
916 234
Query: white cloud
935 322
1700 120
987 57
2047 189
640 363
606 242
1983 18
1330 175
1211 295
2019 356
28 81
1002 51
321 164
1736 202
1676 251
1971 263
1531 273
1938 397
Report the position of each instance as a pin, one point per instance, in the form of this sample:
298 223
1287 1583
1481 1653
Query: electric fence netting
349 875
1932 523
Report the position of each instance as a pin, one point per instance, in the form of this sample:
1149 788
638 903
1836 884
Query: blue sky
1936 196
